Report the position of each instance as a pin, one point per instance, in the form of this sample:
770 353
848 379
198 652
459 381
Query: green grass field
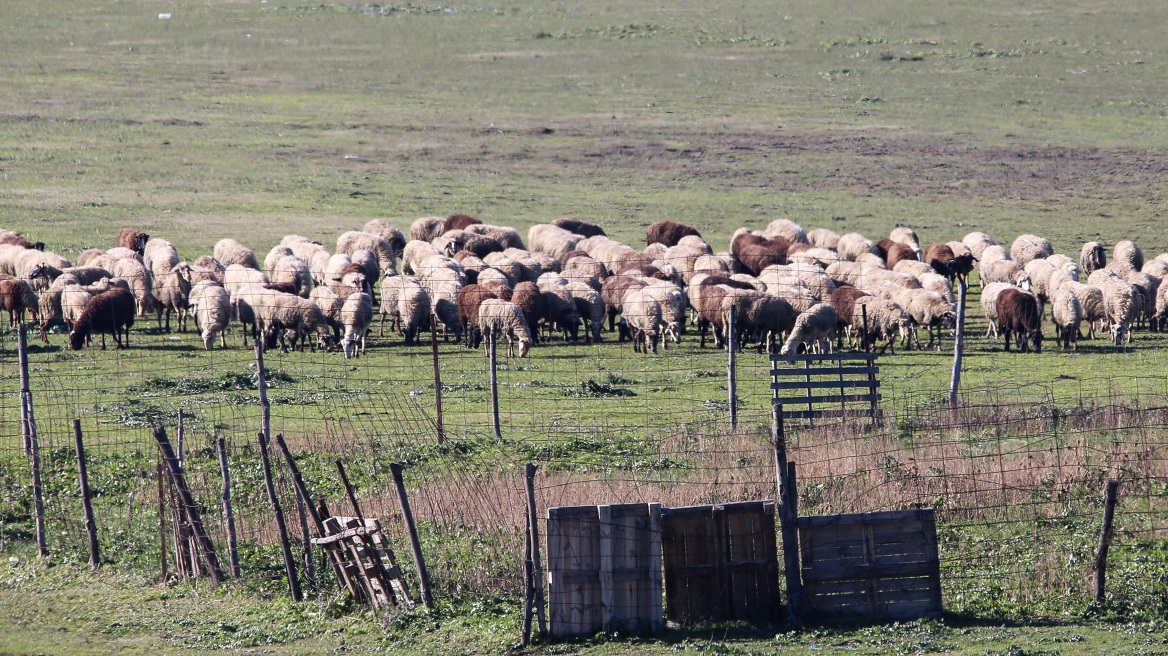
258 119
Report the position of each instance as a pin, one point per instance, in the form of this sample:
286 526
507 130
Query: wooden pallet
362 553
838 385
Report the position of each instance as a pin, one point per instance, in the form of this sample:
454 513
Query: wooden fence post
86 503
1100 568
32 443
731 373
788 515
316 514
958 347
180 434
493 336
415 543
437 378
225 498
281 527
262 385
533 539
189 509
162 510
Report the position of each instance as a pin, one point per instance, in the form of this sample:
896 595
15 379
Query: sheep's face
524 347
76 340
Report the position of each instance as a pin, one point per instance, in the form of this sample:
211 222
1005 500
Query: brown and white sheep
1019 317
497 318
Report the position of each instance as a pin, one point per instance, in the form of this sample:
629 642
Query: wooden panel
824 371
819 384
791 359
831 398
873 565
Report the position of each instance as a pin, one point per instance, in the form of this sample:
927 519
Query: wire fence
1016 474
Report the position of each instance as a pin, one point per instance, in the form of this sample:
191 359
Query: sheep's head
39 271
76 340
524 346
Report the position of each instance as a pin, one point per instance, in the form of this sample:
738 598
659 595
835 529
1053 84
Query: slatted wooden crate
881 566
721 562
604 569
837 385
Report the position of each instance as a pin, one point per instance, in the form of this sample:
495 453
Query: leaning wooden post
225 498
189 509
415 543
262 385
1100 568
162 510
382 572
437 378
493 335
316 515
86 503
958 347
528 583
281 527
731 373
533 538
788 515
32 443
180 434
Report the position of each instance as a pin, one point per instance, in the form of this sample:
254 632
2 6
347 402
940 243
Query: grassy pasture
258 119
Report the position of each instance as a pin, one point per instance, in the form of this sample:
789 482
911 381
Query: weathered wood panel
721 562
874 565
816 386
604 569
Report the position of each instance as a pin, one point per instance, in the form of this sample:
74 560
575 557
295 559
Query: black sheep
108 312
1018 315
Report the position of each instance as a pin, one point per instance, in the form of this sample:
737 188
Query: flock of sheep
802 289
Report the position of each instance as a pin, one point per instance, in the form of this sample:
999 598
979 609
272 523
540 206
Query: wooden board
820 388
604 569
874 565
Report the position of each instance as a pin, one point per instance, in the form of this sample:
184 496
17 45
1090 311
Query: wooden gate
837 385
604 568
881 565
720 562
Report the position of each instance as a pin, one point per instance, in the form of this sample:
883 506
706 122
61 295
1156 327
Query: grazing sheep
552 240
977 242
989 305
1092 257
109 312
498 317
582 228
823 238
1019 316
228 252
406 303
1030 247
1127 251
356 315
1160 321
590 305
468 302
17 297
843 299
672 301
50 305
886 320
1007 271
132 239
427 228
236 276
786 229
642 316
928 309
136 273
1091 300
668 232
384 229
1065 264
766 318
330 304
991 254
211 305
459 222
613 291
814 330
853 245
561 310
353 241
1120 300
84 275
28 260
172 293
293 271
820 257
907 236
528 296
1067 314
159 256
208 268
941 258
896 252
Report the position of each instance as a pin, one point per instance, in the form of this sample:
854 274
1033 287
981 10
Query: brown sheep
108 312
17 296
459 222
940 257
13 238
468 301
132 239
668 233
895 252
1018 315
582 228
534 305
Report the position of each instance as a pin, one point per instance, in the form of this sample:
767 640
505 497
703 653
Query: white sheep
1127 251
814 331
823 238
886 320
228 252
1030 247
353 240
502 318
138 276
427 228
172 292
211 305
853 245
786 229
977 242
989 305
1120 299
1067 314
641 314
356 315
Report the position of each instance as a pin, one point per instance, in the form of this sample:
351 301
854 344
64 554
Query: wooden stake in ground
415 544
281 527
162 510
731 369
788 516
492 337
1105 541
314 514
225 498
86 503
32 443
437 378
958 347
189 509
533 539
